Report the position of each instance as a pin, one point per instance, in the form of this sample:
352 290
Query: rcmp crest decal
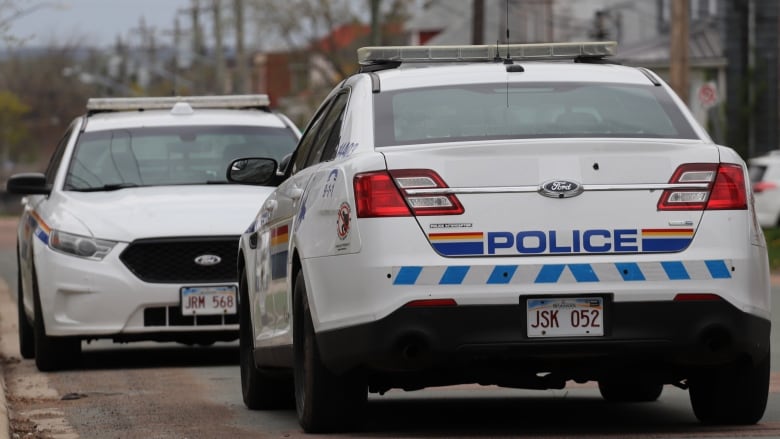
343 221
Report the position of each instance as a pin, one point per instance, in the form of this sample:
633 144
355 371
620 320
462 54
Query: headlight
82 246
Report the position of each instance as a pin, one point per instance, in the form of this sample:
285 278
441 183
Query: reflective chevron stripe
561 273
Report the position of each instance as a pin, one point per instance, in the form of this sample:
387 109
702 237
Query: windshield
130 157
532 110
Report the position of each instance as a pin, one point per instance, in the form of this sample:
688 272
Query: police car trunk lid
561 197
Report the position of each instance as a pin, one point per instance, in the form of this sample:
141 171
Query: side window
308 140
328 142
56 158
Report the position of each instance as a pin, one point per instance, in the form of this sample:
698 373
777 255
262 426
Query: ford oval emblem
560 189
208 260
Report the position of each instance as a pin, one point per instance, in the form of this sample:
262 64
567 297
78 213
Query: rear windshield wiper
106 187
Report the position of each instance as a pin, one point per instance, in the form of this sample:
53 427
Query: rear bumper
666 337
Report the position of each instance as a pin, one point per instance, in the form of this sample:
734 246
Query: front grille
172 260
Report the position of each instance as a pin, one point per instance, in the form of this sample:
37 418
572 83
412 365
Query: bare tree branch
10 11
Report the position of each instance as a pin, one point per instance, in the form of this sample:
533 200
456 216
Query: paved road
173 391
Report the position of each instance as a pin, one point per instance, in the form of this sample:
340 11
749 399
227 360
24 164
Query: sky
95 22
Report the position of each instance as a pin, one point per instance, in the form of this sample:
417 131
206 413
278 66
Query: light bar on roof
481 53
165 103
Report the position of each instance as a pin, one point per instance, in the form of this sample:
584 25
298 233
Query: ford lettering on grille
560 189
208 260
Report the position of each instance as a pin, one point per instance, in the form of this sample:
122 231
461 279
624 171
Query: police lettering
532 242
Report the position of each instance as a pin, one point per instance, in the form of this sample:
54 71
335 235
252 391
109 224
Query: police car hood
595 197
163 211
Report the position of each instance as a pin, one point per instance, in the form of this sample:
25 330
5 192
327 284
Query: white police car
764 174
456 215
131 233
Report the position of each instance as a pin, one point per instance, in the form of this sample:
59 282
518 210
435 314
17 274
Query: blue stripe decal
718 269
549 274
459 248
675 270
502 274
407 275
43 236
454 275
583 273
665 244
630 271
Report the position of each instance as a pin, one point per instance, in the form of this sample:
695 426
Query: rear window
531 110
159 156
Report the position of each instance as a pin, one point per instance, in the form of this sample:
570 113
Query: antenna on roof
508 59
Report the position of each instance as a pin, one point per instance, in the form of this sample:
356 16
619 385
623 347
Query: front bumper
664 337
103 299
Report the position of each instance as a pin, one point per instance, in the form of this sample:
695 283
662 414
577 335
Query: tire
26 334
325 402
261 389
51 353
630 390
732 394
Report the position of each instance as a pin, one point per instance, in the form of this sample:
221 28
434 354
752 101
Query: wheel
325 402
261 389
51 353
630 390
26 335
735 393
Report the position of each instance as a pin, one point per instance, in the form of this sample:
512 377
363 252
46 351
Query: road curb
5 423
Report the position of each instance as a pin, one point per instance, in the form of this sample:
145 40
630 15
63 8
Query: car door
282 213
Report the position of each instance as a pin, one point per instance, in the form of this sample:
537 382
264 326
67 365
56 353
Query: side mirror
252 171
32 183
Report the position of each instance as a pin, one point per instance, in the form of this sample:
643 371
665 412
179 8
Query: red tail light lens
728 192
403 192
377 196
725 188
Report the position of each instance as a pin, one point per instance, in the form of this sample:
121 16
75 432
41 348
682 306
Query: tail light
762 186
724 190
403 192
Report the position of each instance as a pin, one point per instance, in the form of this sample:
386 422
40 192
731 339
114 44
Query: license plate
209 300
565 317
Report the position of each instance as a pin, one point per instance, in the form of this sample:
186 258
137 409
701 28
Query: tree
313 25
13 133
12 10
36 79
321 37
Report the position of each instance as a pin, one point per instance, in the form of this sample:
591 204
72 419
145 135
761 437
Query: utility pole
478 22
678 51
197 33
376 34
219 56
243 84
